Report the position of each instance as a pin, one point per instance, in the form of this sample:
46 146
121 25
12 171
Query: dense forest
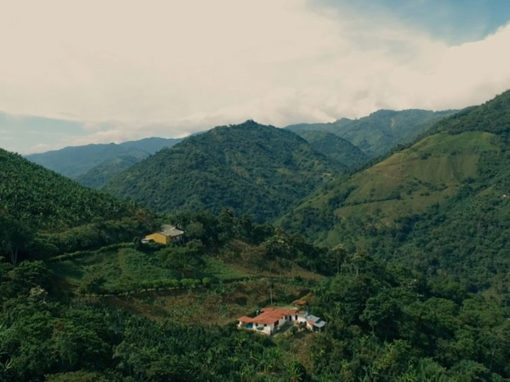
251 168
440 204
41 211
335 148
379 132
385 322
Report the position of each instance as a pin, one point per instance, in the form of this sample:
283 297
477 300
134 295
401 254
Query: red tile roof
268 316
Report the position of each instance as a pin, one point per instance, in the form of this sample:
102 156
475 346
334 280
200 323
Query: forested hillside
335 148
76 161
441 204
101 174
42 211
167 313
413 285
251 168
46 200
379 132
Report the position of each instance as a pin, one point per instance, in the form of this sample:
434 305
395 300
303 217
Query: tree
15 238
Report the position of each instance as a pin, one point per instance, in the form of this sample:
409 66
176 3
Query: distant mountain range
75 162
379 132
349 143
251 168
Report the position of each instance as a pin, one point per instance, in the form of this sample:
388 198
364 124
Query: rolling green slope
43 213
433 202
46 200
379 132
101 174
335 148
255 169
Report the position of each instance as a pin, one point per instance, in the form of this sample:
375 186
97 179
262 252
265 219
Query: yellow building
167 234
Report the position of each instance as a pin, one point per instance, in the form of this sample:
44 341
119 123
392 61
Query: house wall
158 238
268 329
259 328
301 318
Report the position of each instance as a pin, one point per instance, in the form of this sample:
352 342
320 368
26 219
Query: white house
270 320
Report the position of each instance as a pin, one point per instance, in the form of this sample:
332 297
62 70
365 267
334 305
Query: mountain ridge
457 172
76 161
249 167
380 131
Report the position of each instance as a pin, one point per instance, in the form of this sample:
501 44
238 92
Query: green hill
101 174
448 193
76 161
46 200
251 168
43 212
130 311
379 132
335 148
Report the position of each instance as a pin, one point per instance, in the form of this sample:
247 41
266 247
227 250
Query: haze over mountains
76 161
352 144
380 131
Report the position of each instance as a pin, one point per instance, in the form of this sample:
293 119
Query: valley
405 258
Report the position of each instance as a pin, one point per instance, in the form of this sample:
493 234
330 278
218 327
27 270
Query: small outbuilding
314 323
169 233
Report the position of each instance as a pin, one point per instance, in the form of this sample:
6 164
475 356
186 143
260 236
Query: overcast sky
114 70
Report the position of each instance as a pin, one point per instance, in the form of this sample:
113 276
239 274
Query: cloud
129 69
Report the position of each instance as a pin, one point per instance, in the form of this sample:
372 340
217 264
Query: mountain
76 161
128 311
379 132
255 169
335 148
443 202
101 174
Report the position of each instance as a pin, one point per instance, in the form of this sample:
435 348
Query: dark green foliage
76 161
335 148
44 200
427 300
43 214
436 212
384 323
101 174
493 116
250 168
379 132
387 324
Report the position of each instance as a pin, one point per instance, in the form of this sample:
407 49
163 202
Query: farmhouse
168 234
270 320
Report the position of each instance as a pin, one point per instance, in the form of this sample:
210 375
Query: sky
99 71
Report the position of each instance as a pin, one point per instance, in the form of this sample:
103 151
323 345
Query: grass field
220 304
126 269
